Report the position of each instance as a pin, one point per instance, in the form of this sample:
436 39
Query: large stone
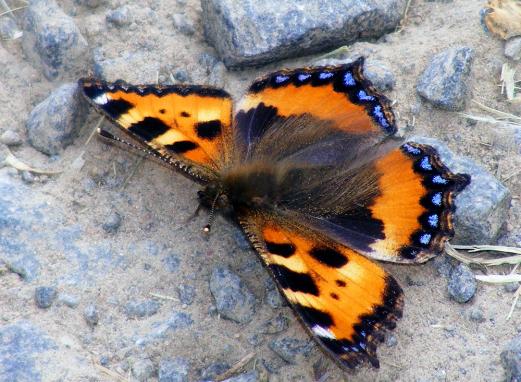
482 208
55 122
52 40
254 32
511 360
445 81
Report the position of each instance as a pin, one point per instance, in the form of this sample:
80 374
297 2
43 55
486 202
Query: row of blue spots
438 179
411 149
363 96
380 117
426 164
325 75
280 79
436 199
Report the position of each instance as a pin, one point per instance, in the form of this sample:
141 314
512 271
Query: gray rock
147 308
112 222
52 40
277 324
186 294
214 370
119 17
207 61
45 296
462 284
217 76
289 348
511 360
91 315
20 345
143 369
54 123
250 376
511 287
182 76
69 300
11 138
273 297
443 265
390 340
28 177
179 320
9 29
381 77
445 81
173 370
482 208
183 24
233 299
513 48
476 314
172 263
254 33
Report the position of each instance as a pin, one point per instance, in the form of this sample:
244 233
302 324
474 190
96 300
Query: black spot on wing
149 128
297 282
181 147
329 257
116 107
314 316
185 114
92 91
209 129
340 283
284 250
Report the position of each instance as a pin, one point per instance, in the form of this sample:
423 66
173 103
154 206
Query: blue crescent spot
377 112
303 77
281 79
363 96
349 80
325 75
411 149
439 180
433 220
436 199
425 239
425 164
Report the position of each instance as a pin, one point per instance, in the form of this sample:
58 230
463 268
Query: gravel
183 24
141 309
251 376
52 41
112 222
91 315
55 122
277 324
173 370
289 348
119 17
255 33
445 81
44 296
143 369
186 294
233 299
511 360
462 284
11 138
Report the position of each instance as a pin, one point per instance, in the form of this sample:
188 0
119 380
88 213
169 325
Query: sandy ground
436 340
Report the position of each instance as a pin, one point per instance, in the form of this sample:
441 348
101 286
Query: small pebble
11 138
147 308
462 284
183 24
511 360
179 320
172 263
28 177
9 30
45 296
173 370
112 222
143 369
182 76
443 265
391 341
104 360
276 325
91 315
477 315
513 48
214 370
69 300
289 348
511 287
186 294
381 77
119 17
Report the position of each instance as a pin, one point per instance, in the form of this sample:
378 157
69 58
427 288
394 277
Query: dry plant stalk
508 83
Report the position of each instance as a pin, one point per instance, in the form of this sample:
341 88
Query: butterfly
309 167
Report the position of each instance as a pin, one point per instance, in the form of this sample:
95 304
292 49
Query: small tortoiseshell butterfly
307 165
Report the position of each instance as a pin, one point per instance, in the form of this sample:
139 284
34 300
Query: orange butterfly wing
191 123
344 299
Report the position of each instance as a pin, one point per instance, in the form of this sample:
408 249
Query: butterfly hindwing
187 122
343 299
339 95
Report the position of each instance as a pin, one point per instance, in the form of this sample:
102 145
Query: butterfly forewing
192 123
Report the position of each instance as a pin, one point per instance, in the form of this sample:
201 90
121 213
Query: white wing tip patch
323 332
102 99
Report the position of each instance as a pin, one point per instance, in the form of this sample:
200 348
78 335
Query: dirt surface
436 339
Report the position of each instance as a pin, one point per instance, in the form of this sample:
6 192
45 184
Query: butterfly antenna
212 215
108 135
